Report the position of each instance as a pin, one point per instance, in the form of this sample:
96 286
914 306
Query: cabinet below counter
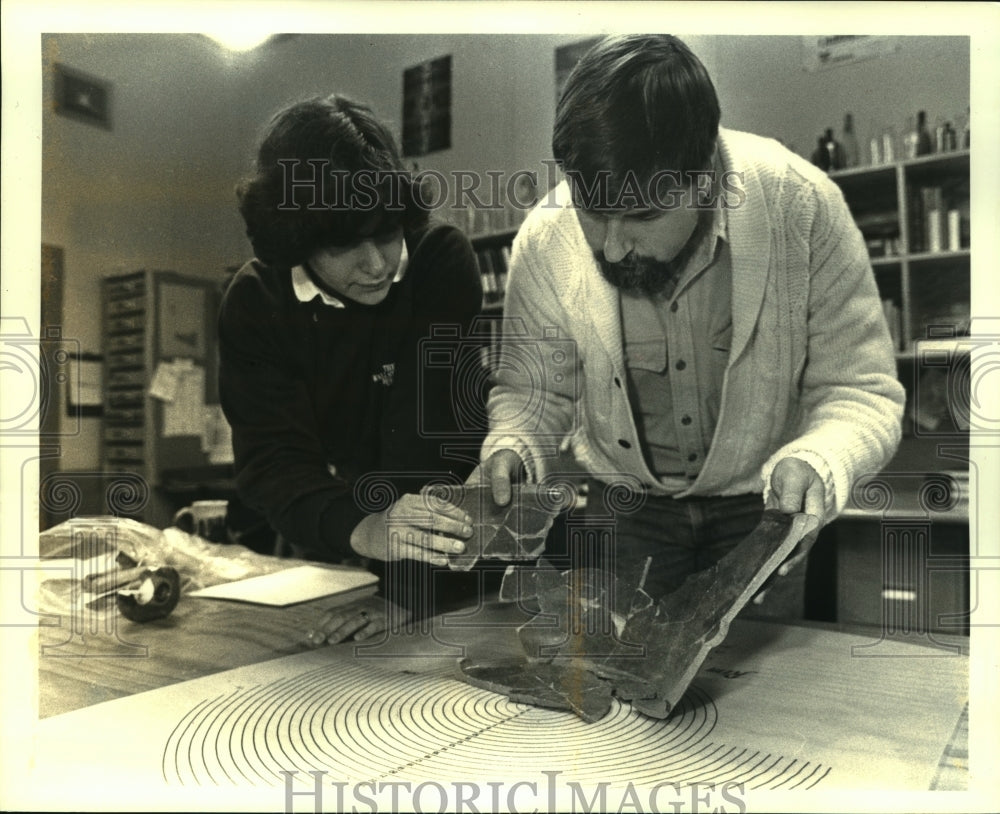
902 554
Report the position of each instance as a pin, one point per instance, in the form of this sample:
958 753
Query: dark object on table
594 624
153 594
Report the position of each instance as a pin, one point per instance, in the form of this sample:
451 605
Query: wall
156 191
763 88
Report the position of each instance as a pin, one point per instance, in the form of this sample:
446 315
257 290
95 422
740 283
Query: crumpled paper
78 547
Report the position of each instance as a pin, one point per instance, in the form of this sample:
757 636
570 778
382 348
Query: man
730 349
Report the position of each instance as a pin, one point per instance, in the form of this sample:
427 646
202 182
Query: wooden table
199 638
103 656
204 637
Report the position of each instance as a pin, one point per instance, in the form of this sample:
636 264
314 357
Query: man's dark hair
328 173
635 105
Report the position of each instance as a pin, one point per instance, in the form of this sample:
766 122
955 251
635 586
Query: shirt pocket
720 346
648 354
722 339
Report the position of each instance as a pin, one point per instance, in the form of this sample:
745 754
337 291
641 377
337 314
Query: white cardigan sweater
811 372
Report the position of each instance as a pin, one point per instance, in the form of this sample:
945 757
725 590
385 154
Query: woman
320 345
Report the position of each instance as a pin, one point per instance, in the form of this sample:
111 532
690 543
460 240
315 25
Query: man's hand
416 527
501 471
797 487
359 620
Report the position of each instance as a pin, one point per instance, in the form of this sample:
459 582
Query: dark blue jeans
681 536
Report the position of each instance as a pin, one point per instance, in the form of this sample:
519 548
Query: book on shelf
881 232
881 247
491 289
489 353
894 320
493 267
504 267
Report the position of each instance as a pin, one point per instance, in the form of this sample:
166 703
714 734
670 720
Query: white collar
306 290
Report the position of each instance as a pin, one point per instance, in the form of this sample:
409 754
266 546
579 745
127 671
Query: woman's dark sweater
320 398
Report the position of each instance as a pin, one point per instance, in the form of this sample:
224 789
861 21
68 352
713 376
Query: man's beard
644 275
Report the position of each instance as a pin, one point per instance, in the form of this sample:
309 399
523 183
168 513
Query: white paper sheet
185 415
292 585
165 380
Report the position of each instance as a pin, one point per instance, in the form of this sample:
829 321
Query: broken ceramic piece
543 685
513 532
606 627
687 623
585 611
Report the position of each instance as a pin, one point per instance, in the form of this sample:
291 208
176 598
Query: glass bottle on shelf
911 138
940 135
850 142
875 148
821 156
924 144
950 140
834 150
888 145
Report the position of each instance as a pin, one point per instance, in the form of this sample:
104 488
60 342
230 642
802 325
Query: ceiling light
240 40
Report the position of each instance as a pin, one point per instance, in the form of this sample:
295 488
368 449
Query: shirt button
685 420
681 364
624 443
673 307
693 457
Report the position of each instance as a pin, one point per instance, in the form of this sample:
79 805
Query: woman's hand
361 620
417 527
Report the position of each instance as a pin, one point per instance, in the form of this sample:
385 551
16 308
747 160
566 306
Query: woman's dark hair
328 173
636 105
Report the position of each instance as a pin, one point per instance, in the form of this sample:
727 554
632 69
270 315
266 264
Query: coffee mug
206 518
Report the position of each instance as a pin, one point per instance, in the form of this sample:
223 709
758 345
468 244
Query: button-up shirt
676 350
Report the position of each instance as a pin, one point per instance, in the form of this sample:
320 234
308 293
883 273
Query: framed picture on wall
427 107
81 97
820 53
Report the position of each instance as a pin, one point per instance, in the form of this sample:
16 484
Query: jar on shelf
849 141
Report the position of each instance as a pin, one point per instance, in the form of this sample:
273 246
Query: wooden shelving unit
922 268
902 556
152 319
493 255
